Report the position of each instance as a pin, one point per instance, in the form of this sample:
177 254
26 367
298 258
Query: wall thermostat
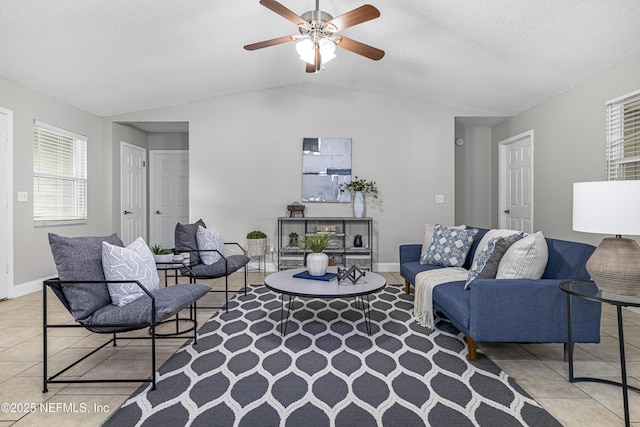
459 141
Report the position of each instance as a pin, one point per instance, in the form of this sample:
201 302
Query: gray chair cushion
217 269
80 258
169 301
186 241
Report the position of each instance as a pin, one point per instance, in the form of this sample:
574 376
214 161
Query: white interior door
169 194
6 240
516 183
133 192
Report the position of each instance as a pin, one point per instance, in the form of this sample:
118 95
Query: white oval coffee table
284 283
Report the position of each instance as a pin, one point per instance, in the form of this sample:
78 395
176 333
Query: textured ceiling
499 56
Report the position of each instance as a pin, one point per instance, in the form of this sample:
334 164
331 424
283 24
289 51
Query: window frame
617 139
75 174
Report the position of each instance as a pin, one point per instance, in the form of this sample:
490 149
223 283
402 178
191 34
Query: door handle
127 212
507 211
158 213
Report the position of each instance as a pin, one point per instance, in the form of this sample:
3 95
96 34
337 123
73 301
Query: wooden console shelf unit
341 252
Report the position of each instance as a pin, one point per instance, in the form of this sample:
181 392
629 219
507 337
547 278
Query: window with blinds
623 137
59 176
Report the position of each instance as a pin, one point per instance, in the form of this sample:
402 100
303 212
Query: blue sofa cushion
567 260
409 270
453 300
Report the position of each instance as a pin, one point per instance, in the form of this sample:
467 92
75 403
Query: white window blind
59 176
623 137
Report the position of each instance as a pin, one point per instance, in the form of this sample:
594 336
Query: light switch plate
23 196
439 198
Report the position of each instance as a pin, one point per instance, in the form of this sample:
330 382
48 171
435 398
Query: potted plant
357 240
293 239
317 260
256 243
161 254
359 187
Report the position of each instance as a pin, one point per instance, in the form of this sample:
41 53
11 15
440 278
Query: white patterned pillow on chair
135 262
209 240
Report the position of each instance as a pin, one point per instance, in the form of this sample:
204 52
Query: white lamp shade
607 207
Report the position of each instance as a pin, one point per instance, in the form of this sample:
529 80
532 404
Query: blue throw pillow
450 246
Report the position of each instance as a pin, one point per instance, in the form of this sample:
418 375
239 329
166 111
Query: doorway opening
166 170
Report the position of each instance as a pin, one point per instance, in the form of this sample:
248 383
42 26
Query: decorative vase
317 263
357 242
358 204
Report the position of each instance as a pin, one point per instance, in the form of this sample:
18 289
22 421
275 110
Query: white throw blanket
425 282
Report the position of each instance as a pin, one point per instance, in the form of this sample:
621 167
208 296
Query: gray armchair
83 290
186 241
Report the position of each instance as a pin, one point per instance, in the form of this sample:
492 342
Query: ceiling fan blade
311 68
318 58
361 48
267 43
282 11
356 16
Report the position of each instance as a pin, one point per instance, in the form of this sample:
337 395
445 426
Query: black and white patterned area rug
327 371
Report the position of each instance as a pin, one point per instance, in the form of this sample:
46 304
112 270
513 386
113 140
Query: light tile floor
538 368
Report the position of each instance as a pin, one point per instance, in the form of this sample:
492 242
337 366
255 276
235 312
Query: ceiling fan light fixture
306 50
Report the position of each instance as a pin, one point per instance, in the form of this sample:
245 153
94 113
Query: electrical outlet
439 198
23 196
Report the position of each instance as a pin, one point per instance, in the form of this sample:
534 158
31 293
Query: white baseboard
387 267
27 288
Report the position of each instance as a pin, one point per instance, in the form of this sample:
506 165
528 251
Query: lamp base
615 266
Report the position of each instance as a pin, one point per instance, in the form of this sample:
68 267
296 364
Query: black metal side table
588 290
175 267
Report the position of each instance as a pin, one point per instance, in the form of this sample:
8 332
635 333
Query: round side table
588 290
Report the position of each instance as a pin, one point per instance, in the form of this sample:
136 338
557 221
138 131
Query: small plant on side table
161 254
256 243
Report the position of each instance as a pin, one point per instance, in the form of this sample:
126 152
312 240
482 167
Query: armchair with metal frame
145 312
84 292
186 240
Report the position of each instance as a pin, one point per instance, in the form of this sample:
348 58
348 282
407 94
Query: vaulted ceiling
498 56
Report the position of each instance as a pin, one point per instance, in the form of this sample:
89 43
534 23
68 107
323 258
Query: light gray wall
473 176
569 146
168 141
246 160
32 257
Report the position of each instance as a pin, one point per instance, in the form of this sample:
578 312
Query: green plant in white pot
256 243
161 254
317 260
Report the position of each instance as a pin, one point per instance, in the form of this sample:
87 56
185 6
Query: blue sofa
505 310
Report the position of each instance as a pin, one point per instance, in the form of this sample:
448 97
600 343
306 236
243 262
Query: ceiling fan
317 40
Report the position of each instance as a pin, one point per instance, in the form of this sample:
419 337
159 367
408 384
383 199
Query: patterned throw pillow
450 246
428 238
480 261
135 262
490 270
208 240
487 260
